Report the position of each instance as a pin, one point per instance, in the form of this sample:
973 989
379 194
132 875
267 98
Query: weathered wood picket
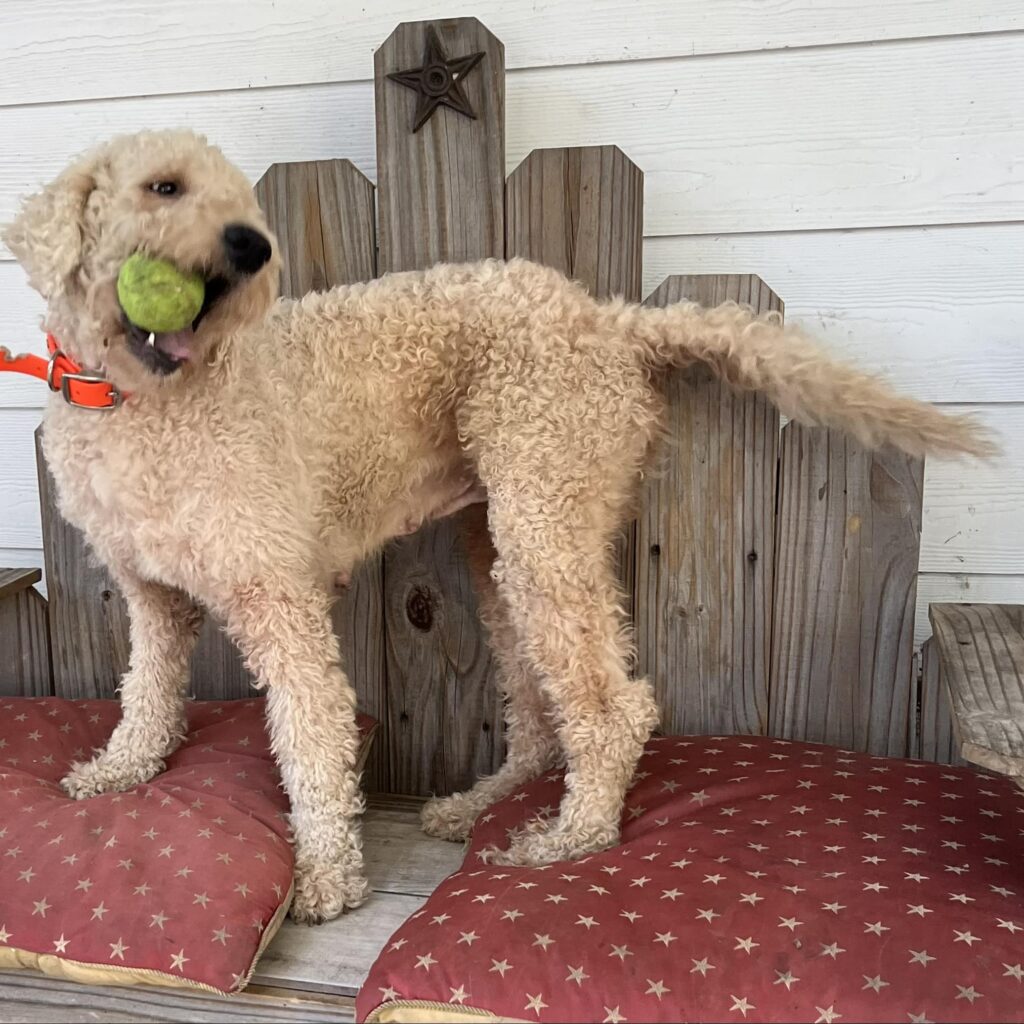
440 197
770 574
848 532
23 624
704 540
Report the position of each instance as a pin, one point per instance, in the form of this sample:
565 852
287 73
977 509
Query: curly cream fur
303 434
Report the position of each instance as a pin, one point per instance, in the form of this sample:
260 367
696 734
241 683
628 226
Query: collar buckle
67 378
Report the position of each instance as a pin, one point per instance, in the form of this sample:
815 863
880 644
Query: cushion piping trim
448 1011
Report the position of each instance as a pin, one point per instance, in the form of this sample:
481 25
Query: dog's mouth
166 352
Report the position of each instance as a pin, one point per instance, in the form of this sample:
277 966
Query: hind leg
556 577
530 730
559 439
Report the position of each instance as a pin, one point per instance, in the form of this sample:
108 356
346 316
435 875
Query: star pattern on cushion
757 880
180 876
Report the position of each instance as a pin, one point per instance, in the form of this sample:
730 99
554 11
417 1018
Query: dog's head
171 196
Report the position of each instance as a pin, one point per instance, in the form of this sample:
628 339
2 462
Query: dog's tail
754 353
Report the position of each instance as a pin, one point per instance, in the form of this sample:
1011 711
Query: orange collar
83 389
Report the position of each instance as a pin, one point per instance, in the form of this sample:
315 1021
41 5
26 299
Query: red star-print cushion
183 880
757 880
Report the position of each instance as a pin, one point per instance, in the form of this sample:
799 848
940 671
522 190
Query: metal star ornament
438 81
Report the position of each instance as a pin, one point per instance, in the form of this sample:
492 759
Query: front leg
285 633
164 627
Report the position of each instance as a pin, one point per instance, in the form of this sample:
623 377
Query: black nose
246 249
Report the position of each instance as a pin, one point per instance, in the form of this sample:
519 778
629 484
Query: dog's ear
47 235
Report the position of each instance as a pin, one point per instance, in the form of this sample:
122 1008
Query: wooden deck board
334 957
400 859
306 974
30 998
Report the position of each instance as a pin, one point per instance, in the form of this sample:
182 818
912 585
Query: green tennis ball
157 296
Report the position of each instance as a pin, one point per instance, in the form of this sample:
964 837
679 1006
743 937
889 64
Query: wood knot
888 493
106 595
751 556
419 608
655 550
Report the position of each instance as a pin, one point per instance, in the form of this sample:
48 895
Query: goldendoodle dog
275 443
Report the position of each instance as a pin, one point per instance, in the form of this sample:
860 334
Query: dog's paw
324 891
450 817
106 775
329 874
542 842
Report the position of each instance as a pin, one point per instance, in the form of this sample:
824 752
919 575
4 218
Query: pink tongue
177 344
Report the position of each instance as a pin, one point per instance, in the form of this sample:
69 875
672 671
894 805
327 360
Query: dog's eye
165 188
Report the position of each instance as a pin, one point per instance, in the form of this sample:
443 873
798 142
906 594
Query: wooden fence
771 574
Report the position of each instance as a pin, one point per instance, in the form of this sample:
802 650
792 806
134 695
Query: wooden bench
981 665
771 573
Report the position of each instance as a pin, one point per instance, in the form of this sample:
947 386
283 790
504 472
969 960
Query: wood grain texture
401 859
848 533
30 998
26 668
217 671
443 710
914 737
440 197
14 581
580 211
981 652
358 617
335 957
111 47
934 738
705 537
440 189
919 160
323 215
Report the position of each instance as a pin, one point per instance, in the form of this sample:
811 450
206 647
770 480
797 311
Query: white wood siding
866 159
905 133
56 51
